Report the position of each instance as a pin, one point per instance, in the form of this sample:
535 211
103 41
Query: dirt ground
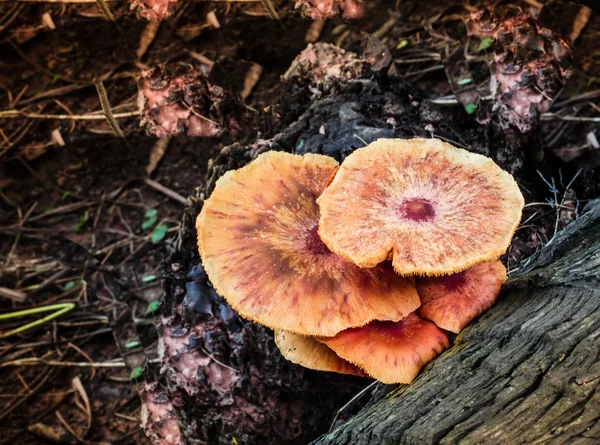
63 171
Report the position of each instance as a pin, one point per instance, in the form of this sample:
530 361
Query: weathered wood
527 371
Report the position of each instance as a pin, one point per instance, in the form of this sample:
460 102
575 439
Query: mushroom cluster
361 268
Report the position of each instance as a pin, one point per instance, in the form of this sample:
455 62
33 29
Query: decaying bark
179 98
528 371
155 10
529 67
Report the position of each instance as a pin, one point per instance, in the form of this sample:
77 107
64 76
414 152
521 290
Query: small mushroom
432 208
311 353
392 352
452 301
257 236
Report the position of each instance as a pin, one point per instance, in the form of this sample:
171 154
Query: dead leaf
579 23
314 31
53 434
47 21
158 151
251 79
211 18
57 138
78 386
147 37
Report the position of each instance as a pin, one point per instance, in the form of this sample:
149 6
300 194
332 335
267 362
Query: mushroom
257 236
432 208
452 301
311 353
392 352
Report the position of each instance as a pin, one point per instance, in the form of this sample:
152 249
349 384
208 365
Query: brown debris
324 9
153 10
325 66
180 99
158 418
529 67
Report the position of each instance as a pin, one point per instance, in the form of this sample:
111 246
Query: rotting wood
527 371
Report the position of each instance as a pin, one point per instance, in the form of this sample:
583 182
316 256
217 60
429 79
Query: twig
68 427
219 362
13 294
86 401
352 400
201 58
268 5
53 1
550 116
15 114
107 110
39 382
584 96
34 361
198 114
105 11
551 204
166 191
22 221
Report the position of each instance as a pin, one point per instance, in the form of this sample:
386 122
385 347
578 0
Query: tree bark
527 371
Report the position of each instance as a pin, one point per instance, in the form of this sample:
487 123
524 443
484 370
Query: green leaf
152 307
65 195
402 44
83 221
158 234
485 44
56 78
136 373
148 222
70 284
470 108
149 218
148 278
132 344
591 81
464 81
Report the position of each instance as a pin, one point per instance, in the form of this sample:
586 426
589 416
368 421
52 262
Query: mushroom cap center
417 210
313 243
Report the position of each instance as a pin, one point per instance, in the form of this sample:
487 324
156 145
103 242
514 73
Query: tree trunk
527 371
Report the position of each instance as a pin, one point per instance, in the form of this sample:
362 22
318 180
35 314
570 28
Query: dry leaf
251 79
147 37
157 153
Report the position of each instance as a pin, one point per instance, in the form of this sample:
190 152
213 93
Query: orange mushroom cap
311 353
434 208
452 301
392 352
257 235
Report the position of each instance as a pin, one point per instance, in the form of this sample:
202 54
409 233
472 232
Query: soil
76 179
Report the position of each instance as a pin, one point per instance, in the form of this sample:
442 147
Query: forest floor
62 171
